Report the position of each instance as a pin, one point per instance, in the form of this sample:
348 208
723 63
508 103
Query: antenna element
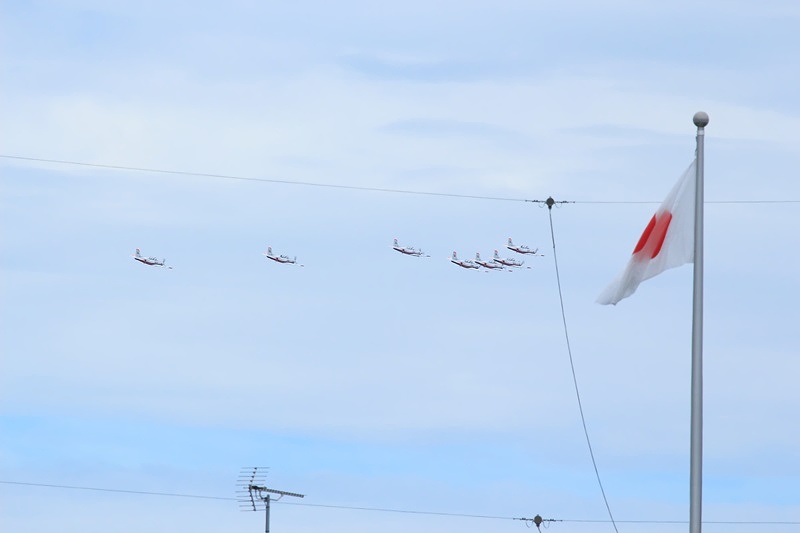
252 493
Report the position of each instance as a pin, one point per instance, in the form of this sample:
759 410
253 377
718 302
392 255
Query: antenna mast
252 492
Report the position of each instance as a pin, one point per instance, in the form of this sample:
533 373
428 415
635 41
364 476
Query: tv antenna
253 494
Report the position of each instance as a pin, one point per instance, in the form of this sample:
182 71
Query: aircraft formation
496 263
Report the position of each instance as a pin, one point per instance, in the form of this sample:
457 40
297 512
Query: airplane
408 250
463 263
507 261
490 265
150 261
521 248
285 259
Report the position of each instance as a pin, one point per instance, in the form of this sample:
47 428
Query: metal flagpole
696 461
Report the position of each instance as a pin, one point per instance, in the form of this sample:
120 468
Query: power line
98 489
707 202
550 203
361 188
715 522
328 506
266 180
402 511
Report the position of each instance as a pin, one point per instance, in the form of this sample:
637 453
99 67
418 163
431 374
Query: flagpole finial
700 119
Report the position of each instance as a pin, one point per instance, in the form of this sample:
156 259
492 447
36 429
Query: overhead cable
402 511
265 180
362 188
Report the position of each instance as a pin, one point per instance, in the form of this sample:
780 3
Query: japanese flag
667 241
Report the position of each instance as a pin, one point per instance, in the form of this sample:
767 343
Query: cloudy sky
367 379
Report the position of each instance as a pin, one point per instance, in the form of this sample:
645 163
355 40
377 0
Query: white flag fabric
667 241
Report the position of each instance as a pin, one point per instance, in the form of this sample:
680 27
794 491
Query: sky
366 379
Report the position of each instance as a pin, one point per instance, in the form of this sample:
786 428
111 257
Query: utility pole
253 493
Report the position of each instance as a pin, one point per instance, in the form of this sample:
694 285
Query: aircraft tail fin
496 254
269 250
396 245
455 257
138 253
510 242
478 256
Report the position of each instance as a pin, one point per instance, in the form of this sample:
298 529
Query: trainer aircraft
149 261
520 248
463 263
507 261
285 259
408 250
489 265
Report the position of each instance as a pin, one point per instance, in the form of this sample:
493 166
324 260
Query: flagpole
696 461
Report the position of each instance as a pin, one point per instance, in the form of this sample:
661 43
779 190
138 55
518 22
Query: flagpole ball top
700 119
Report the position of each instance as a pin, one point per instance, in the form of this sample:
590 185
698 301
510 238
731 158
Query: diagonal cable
550 204
407 511
363 188
265 180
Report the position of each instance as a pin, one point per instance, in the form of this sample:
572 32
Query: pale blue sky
367 378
